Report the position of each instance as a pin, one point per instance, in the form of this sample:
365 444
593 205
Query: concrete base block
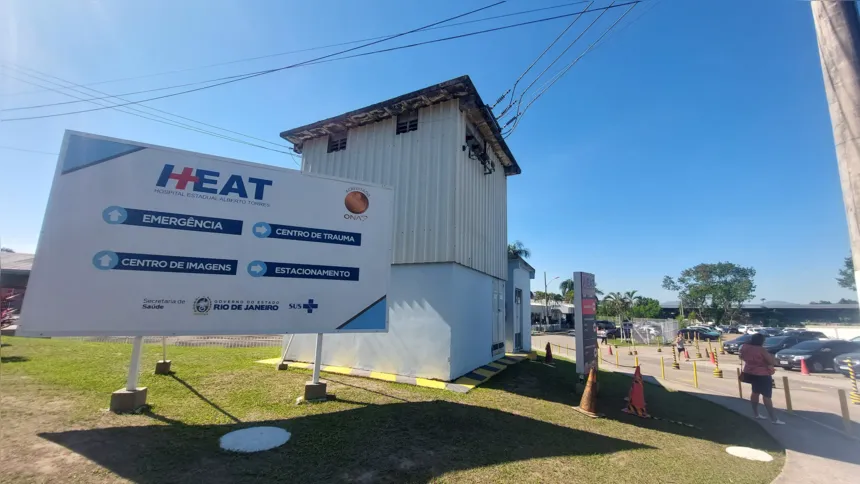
123 401
162 367
315 391
283 366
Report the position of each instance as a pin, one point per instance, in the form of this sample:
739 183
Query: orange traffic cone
548 358
610 351
687 355
636 398
588 402
713 361
803 369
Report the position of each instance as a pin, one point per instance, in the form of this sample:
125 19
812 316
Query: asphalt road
813 397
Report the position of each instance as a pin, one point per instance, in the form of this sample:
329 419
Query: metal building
442 151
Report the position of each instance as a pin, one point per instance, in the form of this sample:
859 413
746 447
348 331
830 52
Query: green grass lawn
519 426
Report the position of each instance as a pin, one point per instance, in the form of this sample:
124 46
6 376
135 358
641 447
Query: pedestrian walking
759 367
679 344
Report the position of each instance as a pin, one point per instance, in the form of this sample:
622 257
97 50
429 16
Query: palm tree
616 302
517 249
566 288
631 298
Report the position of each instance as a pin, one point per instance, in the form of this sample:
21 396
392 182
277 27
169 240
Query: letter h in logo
182 178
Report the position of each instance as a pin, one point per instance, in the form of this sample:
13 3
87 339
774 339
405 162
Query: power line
279 54
43 75
326 58
567 68
3 147
513 90
141 114
519 102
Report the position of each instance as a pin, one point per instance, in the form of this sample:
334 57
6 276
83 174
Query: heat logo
209 182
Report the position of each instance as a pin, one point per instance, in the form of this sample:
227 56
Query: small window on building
336 142
406 123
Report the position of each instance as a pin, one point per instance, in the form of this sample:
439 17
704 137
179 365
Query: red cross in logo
183 178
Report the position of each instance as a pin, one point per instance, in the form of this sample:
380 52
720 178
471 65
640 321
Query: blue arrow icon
262 230
114 215
257 268
105 260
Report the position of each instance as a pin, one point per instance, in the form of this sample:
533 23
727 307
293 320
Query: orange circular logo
356 202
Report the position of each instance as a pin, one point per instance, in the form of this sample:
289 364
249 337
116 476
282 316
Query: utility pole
837 28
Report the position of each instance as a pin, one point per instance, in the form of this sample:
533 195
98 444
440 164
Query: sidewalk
813 454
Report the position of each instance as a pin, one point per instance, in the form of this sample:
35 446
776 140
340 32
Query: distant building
770 312
14 275
442 151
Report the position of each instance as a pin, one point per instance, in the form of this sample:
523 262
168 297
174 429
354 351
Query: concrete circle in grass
254 439
749 454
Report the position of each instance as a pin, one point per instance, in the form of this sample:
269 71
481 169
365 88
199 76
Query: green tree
646 307
517 249
717 291
565 287
846 275
616 304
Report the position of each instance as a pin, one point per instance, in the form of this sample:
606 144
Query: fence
652 331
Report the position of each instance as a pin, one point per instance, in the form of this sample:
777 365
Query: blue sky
697 133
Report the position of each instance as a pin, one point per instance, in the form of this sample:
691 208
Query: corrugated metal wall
446 210
481 214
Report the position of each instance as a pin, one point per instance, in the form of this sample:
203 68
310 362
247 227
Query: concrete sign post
585 302
142 240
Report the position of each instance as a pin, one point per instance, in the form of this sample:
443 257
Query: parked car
742 329
840 364
705 334
774 344
855 339
807 335
734 345
818 354
770 331
606 328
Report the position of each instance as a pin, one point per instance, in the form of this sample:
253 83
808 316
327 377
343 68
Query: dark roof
775 305
458 88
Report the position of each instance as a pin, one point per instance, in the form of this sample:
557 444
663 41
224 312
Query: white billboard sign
141 240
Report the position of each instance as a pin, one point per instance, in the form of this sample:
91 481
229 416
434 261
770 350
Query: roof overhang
459 88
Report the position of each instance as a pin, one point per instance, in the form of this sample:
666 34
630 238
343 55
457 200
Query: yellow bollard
855 396
846 417
740 387
718 373
635 361
662 368
722 349
787 395
616 359
695 376
675 365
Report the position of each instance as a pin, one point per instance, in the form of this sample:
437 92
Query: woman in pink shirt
758 371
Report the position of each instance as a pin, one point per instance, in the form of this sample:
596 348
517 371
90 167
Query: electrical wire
309 49
564 71
513 90
270 71
76 86
519 101
326 59
148 116
3 147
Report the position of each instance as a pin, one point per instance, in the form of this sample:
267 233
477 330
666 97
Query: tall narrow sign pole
585 301
837 28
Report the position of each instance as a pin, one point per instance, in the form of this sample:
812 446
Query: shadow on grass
13 359
206 400
557 383
719 418
415 442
